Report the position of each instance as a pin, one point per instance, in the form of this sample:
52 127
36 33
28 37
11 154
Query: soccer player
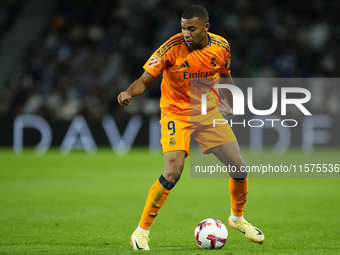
193 53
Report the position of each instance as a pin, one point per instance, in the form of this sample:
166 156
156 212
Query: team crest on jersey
153 61
213 62
172 141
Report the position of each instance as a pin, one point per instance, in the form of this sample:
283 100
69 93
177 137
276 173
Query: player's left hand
225 108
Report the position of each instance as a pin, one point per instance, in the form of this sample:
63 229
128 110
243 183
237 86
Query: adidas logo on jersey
185 64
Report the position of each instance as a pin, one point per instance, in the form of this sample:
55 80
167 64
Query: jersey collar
209 40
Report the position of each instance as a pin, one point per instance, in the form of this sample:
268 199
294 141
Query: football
211 234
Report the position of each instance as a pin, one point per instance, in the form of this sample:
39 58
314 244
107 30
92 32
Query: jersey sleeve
159 60
155 65
225 69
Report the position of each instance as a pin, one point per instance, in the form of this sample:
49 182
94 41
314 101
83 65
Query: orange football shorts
177 129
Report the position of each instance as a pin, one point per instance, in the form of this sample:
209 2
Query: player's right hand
225 108
124 98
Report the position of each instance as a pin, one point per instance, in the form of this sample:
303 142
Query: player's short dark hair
196 11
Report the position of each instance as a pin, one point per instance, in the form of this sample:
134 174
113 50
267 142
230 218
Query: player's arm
226 92
227 107
135 89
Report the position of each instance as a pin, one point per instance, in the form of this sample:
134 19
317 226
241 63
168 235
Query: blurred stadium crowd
9 10
93 49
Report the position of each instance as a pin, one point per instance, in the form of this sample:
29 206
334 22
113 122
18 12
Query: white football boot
139 240
252 233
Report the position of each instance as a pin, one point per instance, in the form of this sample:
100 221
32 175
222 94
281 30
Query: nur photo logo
239 104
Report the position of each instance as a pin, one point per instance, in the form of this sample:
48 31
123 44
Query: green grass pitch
80 204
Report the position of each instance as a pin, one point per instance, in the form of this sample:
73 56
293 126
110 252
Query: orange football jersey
187 75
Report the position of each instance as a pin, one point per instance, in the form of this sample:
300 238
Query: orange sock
154 202
238 190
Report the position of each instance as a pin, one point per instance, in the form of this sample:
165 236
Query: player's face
195 32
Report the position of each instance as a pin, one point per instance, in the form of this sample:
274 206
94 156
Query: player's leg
175 143
158 193
230 154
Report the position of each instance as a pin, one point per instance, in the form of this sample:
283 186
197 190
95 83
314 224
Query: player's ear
206 26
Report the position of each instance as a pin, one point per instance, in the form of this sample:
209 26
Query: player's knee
173 174
173 169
